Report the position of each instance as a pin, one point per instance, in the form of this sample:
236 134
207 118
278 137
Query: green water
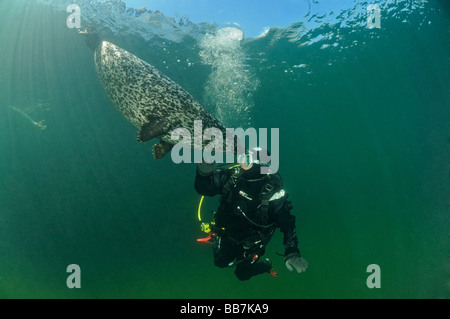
364 154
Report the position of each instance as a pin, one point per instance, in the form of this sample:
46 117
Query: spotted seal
147 98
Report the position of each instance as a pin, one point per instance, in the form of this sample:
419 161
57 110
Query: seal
148 99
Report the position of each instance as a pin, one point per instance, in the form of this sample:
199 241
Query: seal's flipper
161 149
151 130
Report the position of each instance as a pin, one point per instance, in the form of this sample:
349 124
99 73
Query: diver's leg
224 252
246 270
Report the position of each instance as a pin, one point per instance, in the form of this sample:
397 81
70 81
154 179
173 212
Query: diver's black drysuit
251 208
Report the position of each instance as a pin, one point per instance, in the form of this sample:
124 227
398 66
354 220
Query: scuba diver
252 206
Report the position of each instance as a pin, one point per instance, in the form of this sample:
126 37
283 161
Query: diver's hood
253 174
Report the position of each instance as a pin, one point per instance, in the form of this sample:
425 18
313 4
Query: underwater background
364 152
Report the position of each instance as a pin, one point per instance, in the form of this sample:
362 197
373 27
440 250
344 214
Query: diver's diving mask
246 160
254 156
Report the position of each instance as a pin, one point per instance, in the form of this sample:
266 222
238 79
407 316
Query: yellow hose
200 209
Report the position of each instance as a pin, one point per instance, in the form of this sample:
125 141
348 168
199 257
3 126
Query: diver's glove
205 169
297 262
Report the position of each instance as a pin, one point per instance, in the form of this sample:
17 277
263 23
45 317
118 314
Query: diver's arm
209 182
286 222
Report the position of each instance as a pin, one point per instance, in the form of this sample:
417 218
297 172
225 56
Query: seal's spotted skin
147 98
